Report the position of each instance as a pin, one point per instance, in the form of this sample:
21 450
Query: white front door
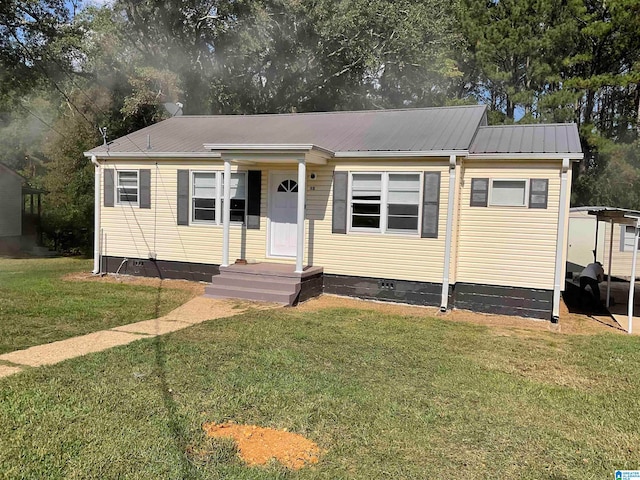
283 214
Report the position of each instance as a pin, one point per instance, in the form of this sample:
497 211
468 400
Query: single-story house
428 206
20 210
593 238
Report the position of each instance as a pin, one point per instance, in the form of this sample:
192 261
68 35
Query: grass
37 306
385 396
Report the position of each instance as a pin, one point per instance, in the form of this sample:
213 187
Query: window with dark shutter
538 192
145 188
254 188
430 205
183 197
479 192
109 187
340 193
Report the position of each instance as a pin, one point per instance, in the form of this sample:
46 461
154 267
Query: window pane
204 203
366 186
365 222
208 215
406 210
129 195
402 223
508 192
204 185
238 185
366 208
404 188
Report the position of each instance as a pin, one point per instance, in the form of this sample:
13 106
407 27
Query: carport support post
632 282
302 190
226 211
610 257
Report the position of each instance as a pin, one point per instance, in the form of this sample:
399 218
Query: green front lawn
385 396
37 306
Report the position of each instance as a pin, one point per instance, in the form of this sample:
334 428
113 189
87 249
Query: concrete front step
250 293
264 282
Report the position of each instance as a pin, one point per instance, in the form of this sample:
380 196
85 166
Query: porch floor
272 269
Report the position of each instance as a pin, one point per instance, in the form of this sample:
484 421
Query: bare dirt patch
196 288
570 323
258 445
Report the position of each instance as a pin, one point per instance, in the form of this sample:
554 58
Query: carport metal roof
622 216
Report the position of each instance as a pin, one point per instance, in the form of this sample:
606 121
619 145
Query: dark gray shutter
254 188
109 187
431 205
340 192
144 177
183 197
538 192
479 192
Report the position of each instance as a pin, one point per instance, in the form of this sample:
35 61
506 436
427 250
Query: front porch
267 282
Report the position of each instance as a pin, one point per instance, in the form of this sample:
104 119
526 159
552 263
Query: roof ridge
335 112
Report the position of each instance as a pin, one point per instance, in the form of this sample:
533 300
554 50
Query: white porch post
560 241
302 189
226 211
632 282
96 218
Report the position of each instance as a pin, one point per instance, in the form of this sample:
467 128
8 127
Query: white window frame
218 201
525 203
118 187
631 236
192 220
384 204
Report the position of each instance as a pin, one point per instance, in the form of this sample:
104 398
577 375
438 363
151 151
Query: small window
204 197
127 187
508 193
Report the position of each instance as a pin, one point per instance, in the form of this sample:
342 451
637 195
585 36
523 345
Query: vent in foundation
387 284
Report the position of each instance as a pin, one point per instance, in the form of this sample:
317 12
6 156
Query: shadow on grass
174 421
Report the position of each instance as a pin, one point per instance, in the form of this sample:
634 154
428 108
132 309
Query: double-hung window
127 187
385 202
207 192
203 197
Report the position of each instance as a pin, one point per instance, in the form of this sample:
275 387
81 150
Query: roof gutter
151 154
525 156
400 154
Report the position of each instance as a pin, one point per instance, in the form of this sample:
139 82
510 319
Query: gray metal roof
541 138
418 129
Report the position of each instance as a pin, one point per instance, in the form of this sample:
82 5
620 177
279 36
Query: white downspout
226 211
96 220
302 191
632 280
560 246
449 234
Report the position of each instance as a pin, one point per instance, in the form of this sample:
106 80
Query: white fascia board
525 156
153 155
401 154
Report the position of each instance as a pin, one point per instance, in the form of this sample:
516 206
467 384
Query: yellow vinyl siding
134 232
621 262
508 246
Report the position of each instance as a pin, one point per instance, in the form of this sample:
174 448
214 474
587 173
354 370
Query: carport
618 216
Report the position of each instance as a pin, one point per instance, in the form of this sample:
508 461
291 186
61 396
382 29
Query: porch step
250 293
267 282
